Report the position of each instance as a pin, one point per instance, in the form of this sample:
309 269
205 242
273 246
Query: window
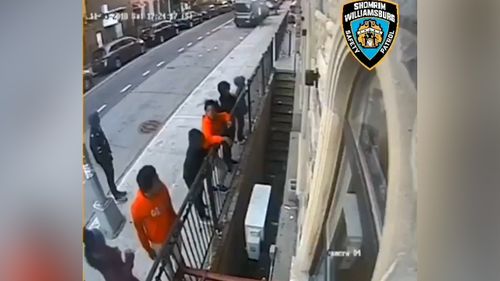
117 46
98 37
367 119
119 30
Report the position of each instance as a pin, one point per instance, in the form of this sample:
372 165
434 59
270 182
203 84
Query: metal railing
189 245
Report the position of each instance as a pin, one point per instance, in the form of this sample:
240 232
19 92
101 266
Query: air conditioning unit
354 232
255 219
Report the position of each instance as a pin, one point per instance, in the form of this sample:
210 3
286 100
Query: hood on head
195 138
239 81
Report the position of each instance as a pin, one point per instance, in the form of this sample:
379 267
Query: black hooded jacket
98 142
194 156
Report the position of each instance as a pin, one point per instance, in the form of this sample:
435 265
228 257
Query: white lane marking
101 108
146 73
190 44
200 55
208 50
126 88
241 37
199 38
154 140
215 47
180 50
149 52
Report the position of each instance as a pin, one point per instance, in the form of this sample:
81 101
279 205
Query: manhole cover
149 126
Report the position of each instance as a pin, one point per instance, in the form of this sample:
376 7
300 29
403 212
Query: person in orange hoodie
152 211
215 127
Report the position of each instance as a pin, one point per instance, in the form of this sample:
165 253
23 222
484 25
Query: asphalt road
134 93
109 91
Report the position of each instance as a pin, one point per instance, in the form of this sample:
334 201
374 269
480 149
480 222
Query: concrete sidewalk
158 97
166 151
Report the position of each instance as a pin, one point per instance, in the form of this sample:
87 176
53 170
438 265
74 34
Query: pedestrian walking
101 150
241 107
195 156
214 127
107 260
152 212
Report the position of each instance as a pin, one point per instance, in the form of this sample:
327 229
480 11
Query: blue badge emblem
370 29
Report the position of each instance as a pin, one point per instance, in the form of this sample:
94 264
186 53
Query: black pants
109 171
241 126
226 149
198 200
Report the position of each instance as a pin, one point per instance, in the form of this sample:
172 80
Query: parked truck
249 12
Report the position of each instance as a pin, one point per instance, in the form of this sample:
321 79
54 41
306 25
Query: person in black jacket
241 107
101 150
227 102
107 260
195 156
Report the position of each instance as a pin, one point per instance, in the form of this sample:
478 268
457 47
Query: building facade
355 179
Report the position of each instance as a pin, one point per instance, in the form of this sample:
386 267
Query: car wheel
118 63
162 39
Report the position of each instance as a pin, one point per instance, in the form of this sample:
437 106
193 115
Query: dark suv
114 54
159 33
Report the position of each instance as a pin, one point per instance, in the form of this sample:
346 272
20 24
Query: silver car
116 53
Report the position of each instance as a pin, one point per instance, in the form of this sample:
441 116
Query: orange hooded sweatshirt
153 217
214 128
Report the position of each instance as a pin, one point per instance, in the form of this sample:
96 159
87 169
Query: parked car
116 53
189 19
88 81
225 7
158 33
209 12
273 6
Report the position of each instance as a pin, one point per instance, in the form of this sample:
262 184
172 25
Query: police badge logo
370 29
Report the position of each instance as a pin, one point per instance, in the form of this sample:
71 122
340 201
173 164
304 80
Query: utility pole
110 218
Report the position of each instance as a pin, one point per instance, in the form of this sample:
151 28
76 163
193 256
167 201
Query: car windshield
99 54
242 7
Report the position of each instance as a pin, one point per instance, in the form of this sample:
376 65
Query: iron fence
189 244
279 35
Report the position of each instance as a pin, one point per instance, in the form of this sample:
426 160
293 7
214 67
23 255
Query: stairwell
275 159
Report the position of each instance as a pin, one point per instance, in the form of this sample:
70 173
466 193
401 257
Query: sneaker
242 141
120 196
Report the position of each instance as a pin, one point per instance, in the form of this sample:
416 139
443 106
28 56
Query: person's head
239 81
148 181
94 120
223 87
211 107
195 138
